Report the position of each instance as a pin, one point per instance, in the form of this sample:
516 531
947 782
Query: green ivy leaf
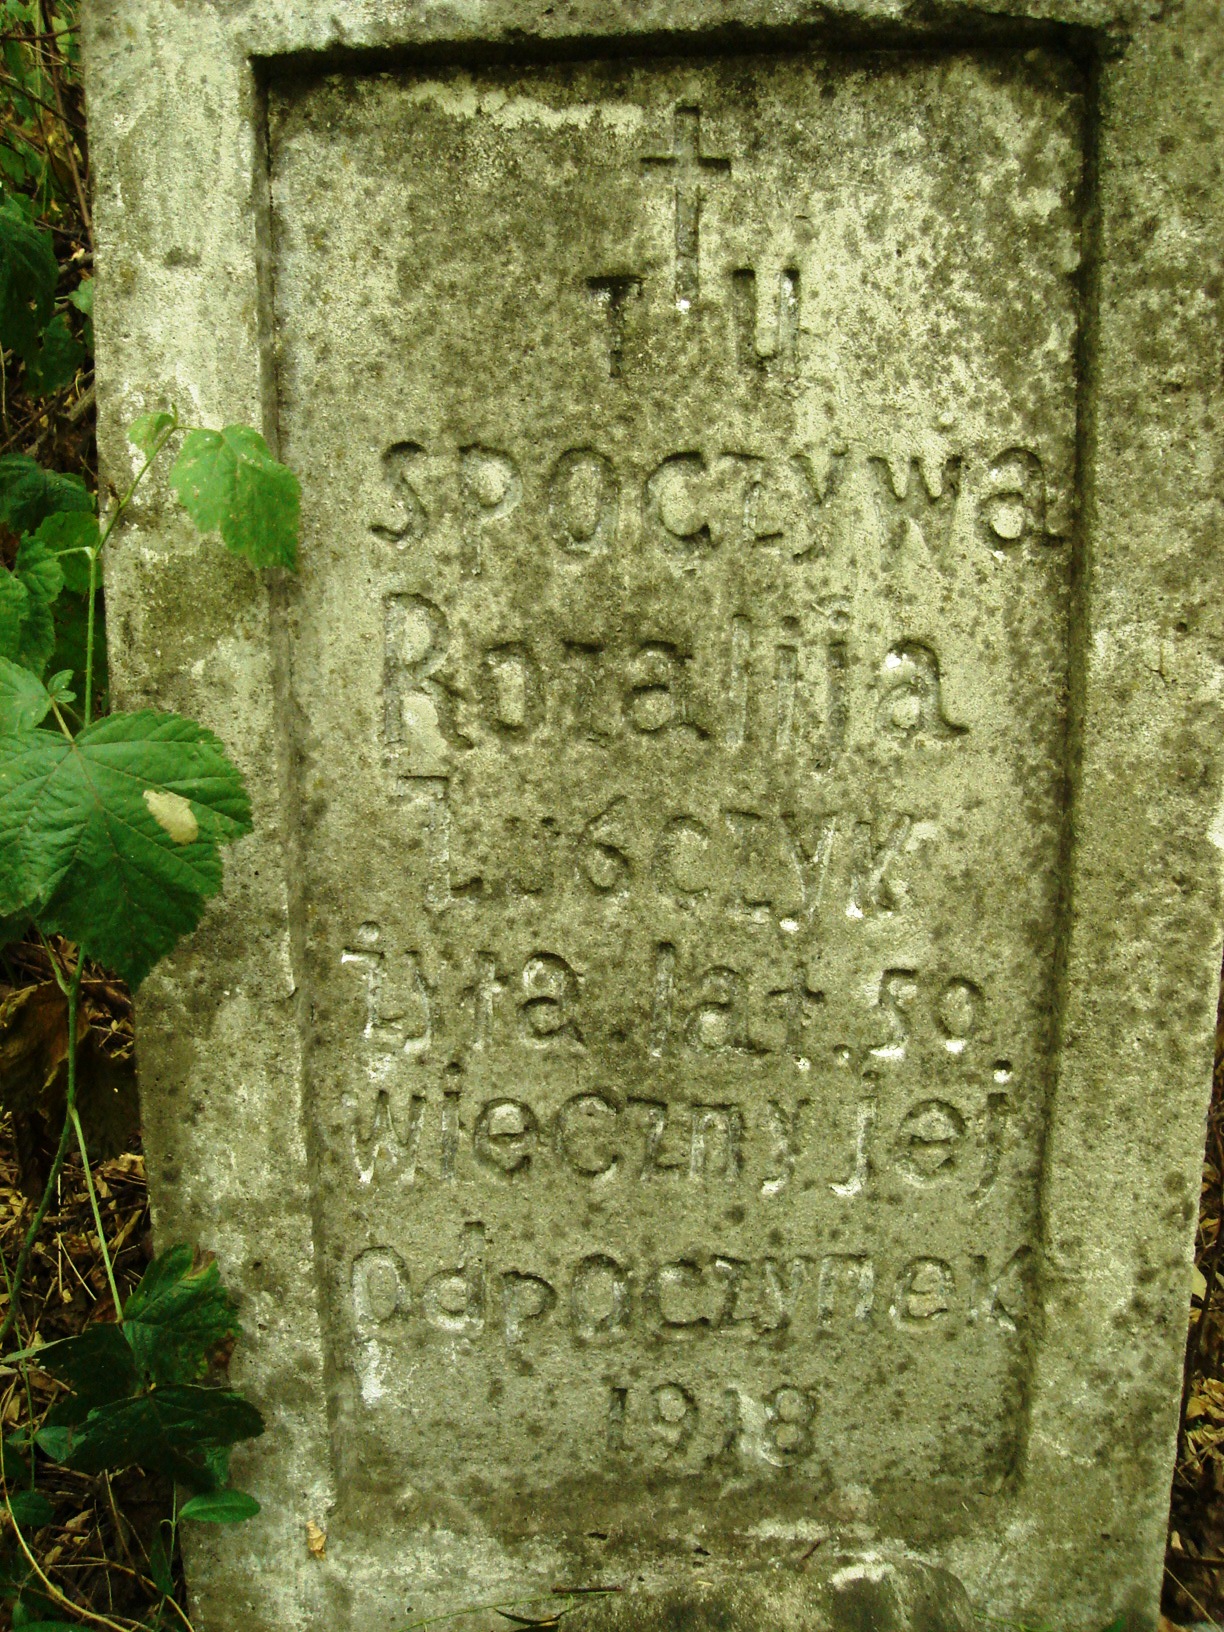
55 361
68 534
147 431
24 700
165 1430
28 493
112 839
28 275
229 482
178 1317
220 1507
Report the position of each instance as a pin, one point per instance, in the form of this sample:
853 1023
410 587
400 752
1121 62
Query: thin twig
78 185
1182 1587
56 1595
22 90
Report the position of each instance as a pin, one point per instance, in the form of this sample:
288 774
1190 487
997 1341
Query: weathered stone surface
698 1075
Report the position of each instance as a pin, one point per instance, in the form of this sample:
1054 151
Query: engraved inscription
678 673
690 171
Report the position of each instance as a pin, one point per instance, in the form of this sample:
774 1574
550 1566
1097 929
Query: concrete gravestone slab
695 654
648 1135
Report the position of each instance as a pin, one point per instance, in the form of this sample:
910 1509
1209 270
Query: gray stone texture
697 1078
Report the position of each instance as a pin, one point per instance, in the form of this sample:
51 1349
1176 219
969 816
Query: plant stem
139 477
89 634
91 612
97 1213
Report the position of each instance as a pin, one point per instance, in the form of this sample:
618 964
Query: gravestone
697 1078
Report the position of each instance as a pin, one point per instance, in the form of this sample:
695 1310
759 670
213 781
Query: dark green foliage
28 276
29 494
55 361
127 1403
69 535
163 1430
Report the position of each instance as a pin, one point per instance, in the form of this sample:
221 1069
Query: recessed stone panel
680 669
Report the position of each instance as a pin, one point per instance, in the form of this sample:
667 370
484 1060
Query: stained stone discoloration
708 1039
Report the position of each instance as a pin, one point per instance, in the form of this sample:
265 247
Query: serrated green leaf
40 574
147 431
14 604
220 1507
229 483
178 1317
55 360
28 493
97 1365
59 687
68 535
165 1430
30 1508
112 839
24 700
28 275
39 570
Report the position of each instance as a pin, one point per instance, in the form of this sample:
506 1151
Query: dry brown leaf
316 1538
33 1044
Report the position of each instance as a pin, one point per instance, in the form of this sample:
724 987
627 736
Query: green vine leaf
229 482
29 273
147 431
113 838
67 535
24 701
179 1318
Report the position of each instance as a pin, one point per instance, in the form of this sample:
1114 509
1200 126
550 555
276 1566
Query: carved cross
690 167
